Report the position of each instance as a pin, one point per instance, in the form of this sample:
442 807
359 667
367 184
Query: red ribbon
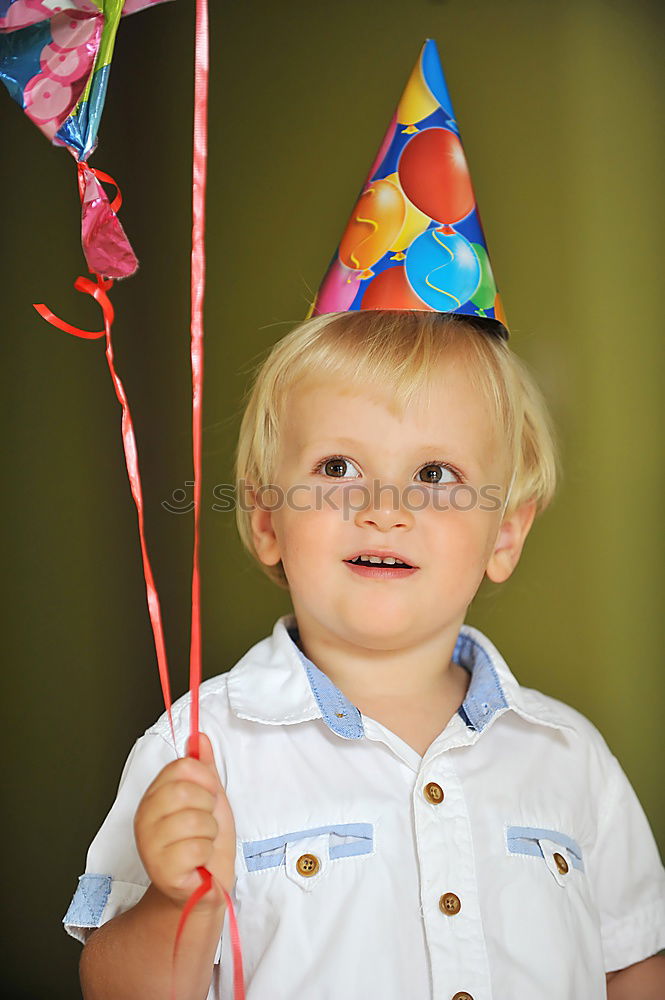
198 267
101 176
99 289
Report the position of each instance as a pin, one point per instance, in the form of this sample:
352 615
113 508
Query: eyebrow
331 443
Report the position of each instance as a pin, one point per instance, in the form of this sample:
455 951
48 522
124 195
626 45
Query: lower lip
382 572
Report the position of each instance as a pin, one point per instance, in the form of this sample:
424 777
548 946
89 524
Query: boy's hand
184 820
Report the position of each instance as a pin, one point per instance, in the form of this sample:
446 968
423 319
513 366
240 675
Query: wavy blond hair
397 351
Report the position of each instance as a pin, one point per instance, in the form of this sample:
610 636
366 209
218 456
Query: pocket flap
545 843
340 840
556 860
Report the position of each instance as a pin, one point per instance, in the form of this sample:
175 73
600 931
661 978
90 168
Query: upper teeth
388 560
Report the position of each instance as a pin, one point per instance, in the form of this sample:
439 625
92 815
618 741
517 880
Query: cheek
306 537
465 537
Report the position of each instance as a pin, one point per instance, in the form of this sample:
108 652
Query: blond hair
398 352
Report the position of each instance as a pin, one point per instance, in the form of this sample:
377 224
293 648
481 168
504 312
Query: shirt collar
275 683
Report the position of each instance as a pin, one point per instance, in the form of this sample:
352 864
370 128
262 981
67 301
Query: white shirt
533 875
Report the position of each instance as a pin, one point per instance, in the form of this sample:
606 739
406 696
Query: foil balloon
417 241
55 60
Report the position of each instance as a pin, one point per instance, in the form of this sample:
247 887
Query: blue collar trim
337 711
484 698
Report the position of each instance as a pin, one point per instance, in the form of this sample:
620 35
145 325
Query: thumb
206 755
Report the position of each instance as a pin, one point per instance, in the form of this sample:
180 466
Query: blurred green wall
561 108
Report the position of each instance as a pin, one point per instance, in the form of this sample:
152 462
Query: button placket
449 892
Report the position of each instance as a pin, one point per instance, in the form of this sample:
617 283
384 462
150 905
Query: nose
384 509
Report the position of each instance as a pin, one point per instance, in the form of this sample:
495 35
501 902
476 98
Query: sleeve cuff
97 899
638 936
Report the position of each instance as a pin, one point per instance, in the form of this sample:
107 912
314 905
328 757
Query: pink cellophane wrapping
105 245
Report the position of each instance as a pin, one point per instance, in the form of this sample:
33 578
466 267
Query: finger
185 769
183 857
188 824
206 755
175 796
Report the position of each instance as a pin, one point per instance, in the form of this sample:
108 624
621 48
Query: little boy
394 814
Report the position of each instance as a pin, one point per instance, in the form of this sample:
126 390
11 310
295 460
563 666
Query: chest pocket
559 852
308 855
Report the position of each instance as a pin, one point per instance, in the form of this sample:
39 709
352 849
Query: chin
383 629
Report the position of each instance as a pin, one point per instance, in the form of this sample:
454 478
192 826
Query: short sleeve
114 878
628 878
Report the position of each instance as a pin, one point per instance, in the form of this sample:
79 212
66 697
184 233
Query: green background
561 108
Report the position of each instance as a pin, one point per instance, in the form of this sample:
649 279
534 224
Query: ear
510 541
263 534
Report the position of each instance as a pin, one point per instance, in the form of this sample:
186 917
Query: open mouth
376 561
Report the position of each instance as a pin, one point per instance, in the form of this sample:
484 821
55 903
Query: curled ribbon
109 256
99 291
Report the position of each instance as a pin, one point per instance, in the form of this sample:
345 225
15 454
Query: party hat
414 239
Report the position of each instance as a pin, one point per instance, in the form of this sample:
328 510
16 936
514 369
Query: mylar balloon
55 60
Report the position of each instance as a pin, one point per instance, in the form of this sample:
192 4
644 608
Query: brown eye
435 473
338 468
335 467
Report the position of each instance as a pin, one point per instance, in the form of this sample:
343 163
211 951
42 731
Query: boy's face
428 486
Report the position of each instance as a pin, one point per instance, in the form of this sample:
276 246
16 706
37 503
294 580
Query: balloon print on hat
443 269
383 148
432 72
415 222
417 101
339 288
391 290
374 224
400 240
485 294
434 175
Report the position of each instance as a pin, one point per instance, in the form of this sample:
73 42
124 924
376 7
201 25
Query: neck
402 671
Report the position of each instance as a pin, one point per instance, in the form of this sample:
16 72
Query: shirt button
462 996
433 793
450 904
561 863
307 864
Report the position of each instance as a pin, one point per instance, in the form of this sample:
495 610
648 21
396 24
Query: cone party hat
414 239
